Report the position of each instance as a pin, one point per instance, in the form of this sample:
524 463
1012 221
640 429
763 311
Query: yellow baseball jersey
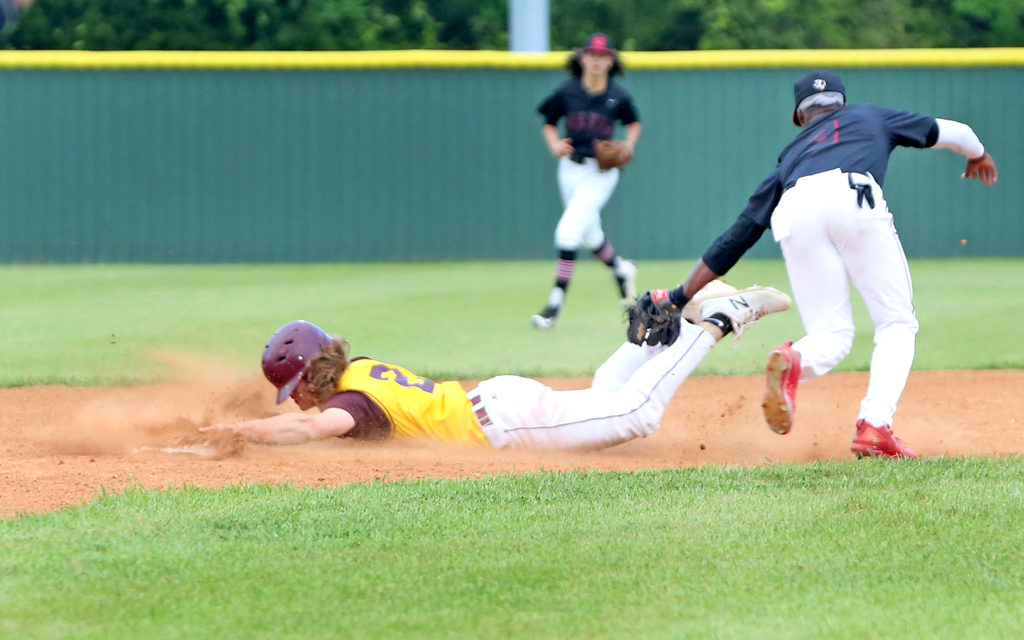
416 406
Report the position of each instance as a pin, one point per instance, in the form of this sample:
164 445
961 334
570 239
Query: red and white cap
599 43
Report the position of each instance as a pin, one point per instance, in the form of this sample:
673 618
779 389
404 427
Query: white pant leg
827 239
817 274
878 268
616 371
527 414
585 190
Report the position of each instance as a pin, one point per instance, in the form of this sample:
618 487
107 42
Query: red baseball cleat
878 442
783 375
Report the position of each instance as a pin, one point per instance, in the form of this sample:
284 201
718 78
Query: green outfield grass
876 549
98 324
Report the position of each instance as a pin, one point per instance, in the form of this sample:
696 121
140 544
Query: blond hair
325 369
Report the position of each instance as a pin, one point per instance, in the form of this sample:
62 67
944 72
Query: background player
367 399
590 103
825 206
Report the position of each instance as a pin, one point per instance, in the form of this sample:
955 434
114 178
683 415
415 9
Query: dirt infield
61 445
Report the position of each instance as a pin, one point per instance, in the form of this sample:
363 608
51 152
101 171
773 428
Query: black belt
863 192
479 411
578 158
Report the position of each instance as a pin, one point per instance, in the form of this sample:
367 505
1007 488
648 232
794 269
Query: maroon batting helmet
289 351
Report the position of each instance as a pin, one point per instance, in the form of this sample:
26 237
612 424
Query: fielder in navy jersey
591 104
825 206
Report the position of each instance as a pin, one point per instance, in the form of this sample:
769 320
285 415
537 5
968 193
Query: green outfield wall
416 155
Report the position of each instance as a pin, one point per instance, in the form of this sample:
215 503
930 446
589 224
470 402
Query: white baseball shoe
713 289
625 275
746 306
547 318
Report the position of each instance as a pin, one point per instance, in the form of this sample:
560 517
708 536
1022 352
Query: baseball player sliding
825 206
367 399
590 103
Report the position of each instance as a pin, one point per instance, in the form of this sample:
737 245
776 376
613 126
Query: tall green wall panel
422 164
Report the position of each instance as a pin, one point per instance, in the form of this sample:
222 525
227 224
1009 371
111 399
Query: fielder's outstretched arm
959 137
700 276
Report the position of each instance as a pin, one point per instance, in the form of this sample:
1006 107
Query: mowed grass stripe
100 324
838 550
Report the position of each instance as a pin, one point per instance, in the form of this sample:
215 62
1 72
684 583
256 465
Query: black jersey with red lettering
857 138
588 117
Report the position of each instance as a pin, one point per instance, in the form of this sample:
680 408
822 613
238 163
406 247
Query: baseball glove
611 153
653 319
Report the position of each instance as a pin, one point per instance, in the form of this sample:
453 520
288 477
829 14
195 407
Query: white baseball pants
585 190
828 241
627 399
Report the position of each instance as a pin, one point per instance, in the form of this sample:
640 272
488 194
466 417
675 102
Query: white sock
557 297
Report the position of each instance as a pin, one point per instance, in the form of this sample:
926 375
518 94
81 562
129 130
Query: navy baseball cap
599 43
812 83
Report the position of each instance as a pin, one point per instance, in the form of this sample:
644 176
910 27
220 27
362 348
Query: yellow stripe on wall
639 60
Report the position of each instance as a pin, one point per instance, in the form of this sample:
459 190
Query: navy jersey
857 138
588 117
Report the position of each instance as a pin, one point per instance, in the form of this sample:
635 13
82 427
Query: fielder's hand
561 147
983 168
653 319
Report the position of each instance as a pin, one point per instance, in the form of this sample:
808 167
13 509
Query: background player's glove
612 153
653 319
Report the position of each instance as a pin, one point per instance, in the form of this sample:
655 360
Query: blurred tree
226 24
869 24
634 25
986 23
471 24
482 24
